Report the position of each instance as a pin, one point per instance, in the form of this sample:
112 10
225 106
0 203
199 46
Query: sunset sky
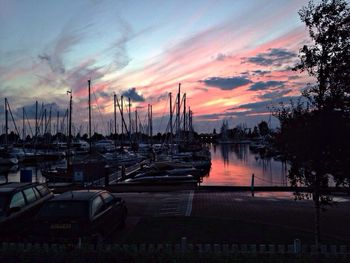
232 58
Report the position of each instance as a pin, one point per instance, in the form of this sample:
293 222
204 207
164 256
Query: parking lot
216 216
208 216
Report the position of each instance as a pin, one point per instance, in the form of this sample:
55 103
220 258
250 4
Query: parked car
19 202
86 214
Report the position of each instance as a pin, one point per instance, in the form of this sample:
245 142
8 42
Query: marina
175 131
231 165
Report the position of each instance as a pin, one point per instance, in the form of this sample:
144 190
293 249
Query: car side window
97 205
108 198
43 190
17 200
30 195
37 194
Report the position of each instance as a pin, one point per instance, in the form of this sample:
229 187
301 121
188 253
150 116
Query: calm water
234 164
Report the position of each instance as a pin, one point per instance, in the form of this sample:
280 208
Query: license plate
61 226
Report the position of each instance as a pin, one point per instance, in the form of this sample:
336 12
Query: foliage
316 143
327 57
263 128
315 137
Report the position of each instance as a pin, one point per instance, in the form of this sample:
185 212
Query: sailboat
5 157
86 170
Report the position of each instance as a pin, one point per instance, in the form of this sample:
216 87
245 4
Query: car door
99 215
33 200
17 201
115 214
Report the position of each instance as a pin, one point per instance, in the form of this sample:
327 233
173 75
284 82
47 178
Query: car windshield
60 209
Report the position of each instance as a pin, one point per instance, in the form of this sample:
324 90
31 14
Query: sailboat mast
49 129
178 113
171 120
184 116
57 122
129 121
115 120
44 122
151 122
36 123
69 127
6 124
136 128
24 126
122 113
89 84
150 132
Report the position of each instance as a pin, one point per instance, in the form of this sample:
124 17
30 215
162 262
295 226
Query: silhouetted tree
263 128
255 132
314 138
85 137
97 136
327 59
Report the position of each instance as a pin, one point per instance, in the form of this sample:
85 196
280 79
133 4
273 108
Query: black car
86 214
19 202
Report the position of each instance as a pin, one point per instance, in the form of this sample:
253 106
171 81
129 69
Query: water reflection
234 164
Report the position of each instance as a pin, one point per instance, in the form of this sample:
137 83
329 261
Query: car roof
79 195
12 187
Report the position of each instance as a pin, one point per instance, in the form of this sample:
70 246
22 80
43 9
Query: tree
315 137
327 58
255 132
263 128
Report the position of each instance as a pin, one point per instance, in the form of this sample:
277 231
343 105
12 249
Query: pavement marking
189 203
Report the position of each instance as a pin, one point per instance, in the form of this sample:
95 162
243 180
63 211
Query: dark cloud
133 95
274 56
263 85
104 94
263 106
245 73
163 96
213 116
228 83
275 94
261 72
